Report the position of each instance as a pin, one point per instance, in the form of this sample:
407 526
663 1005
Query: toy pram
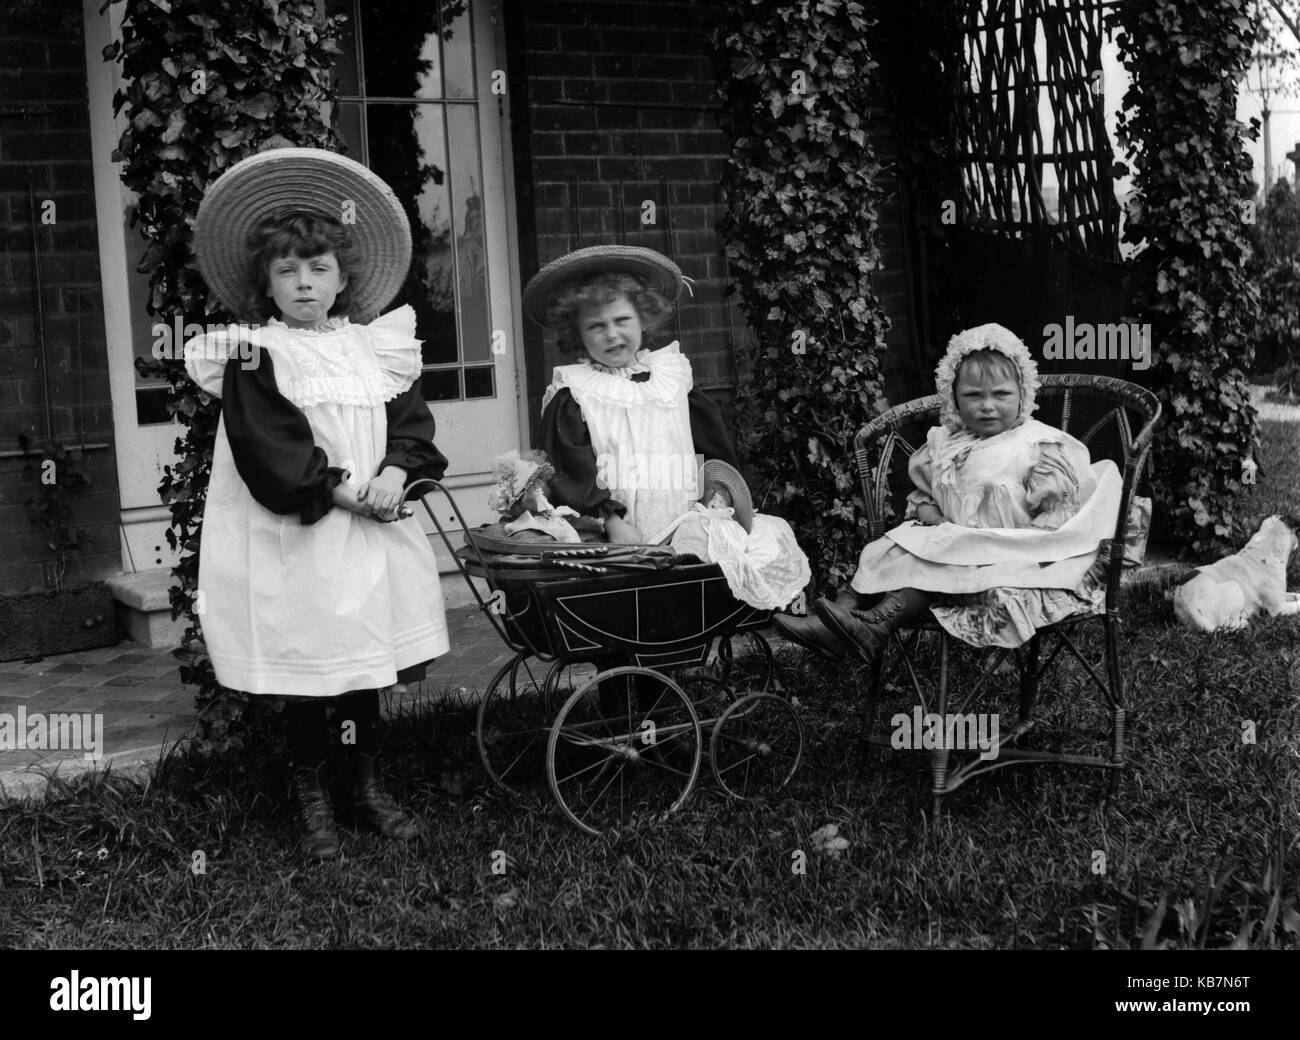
625 658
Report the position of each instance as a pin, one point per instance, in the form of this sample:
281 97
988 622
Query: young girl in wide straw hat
316 585
624 424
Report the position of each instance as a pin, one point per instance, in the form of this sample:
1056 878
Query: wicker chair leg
939 770
1119 716
1029 679
867 715
939 756
1118 721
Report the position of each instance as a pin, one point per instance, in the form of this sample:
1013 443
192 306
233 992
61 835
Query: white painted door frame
143 451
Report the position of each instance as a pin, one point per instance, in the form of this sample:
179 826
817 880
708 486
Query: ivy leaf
146 118
175 124
259 106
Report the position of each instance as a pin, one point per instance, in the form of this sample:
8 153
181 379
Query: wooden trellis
1031 97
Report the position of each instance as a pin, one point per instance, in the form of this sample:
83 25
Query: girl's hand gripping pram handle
496 599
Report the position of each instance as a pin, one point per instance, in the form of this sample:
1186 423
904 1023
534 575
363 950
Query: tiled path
144 704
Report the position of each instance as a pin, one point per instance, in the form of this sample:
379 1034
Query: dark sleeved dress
277 455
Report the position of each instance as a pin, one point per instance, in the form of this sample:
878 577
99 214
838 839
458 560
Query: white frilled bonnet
984 337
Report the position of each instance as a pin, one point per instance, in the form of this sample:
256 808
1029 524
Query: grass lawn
1200 849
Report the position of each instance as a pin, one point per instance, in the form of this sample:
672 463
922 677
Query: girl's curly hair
651 306
299 234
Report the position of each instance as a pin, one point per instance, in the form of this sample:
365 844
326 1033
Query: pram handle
498 594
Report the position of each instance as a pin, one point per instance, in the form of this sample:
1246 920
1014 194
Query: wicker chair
1104 402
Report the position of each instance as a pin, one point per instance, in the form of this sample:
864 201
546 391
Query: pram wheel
625 746
745 661
514 718
756 745
738 664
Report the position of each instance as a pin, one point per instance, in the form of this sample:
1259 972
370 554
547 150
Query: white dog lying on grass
1227 594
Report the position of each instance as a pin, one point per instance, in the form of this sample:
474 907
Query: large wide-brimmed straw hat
654 270
312 180
715 471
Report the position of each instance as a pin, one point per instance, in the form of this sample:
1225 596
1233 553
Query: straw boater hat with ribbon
654 270
715 471
284 180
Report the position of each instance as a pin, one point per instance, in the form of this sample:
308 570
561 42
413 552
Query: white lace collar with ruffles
334 324
639 364
669 382
949 449
375 363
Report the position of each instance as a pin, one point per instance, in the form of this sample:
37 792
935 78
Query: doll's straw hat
312 180
715 471
654 270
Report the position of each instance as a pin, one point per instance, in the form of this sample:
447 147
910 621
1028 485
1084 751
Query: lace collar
639 364
657 377
334 324
950 449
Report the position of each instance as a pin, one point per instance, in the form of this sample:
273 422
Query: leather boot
320 839
810 632
372 804
869 630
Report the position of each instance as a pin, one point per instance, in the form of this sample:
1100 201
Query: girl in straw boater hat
316 585
624 424
1003 528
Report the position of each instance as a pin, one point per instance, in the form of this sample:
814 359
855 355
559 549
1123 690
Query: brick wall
619 110
45 155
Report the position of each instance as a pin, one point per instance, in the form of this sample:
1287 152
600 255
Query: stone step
144 607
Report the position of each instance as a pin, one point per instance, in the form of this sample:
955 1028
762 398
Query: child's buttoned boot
308 749
370 801
868 630
811 632
320 839
372 804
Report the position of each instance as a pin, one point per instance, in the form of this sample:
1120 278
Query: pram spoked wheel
625 745
745 660
737 664
512 723
514 720
756 745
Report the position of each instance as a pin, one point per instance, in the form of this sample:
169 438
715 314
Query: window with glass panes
408 109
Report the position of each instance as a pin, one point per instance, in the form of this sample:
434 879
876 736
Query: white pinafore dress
640 432
343 604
